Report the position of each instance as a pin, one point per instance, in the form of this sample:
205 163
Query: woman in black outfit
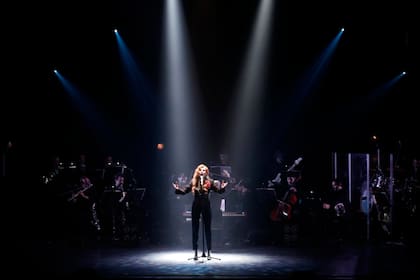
200 185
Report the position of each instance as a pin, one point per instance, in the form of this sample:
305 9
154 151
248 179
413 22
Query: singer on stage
200 185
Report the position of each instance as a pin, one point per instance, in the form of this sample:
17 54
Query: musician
83 210
336 210
286 214
287 175
84 192
280 171
114 205
200 186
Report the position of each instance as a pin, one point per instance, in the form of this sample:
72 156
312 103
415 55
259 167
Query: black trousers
201 208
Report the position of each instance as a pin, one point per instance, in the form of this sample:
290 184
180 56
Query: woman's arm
181 190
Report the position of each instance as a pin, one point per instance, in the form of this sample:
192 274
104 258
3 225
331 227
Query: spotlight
160 146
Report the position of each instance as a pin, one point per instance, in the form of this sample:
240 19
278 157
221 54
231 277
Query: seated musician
286 214
335 206
288 197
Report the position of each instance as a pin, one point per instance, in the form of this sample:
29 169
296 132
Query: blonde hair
196 176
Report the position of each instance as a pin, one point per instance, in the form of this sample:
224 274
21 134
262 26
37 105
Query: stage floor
334 260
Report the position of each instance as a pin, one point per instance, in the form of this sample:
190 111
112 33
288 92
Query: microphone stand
203 255
204 251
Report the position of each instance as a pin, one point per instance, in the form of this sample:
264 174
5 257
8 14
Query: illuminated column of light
250 90
86 107
180 114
